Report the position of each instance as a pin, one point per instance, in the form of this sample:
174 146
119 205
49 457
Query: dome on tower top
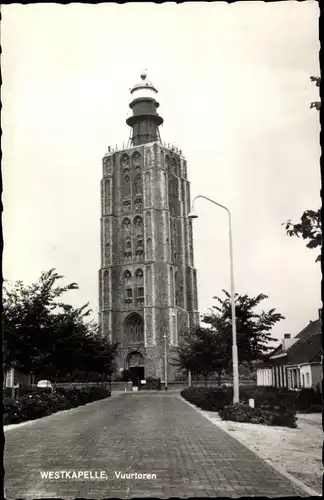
144 88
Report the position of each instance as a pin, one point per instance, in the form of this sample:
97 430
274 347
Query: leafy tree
28 320
310 225
253 329
309 228
316 104
203 352
208 350
47 337
246 371
104 356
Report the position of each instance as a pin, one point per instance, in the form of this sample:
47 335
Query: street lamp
165 363
193 215
166 357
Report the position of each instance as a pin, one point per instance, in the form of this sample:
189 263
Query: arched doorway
134 337
135 364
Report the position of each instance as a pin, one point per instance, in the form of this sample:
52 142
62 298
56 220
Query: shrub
309 400
39 404
125 375
215 398
83 395
28 407
208 398
265 414
268 396
23 391
71 395
286 402
10 411
153 383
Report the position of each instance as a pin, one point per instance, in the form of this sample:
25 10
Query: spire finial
143 75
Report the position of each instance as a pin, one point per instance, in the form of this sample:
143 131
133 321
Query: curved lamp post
193 215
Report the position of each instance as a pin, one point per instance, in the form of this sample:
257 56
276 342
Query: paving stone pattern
155 433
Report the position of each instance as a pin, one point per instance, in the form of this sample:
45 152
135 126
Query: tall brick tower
147 282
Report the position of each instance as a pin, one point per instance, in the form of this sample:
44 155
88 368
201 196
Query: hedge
153 383
22 391
39 404
208 398
309 400
215 398
264 414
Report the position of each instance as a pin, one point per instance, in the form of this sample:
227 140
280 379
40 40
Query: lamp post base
165 388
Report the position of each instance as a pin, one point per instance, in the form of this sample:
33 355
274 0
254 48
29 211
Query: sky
234 91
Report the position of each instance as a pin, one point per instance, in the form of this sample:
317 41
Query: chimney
287 341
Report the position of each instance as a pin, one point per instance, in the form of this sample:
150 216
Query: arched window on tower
128 289
138 222
126 223
134 329
124 161
127 275
138 184
139 275
139 242
128 245
139 278
138 236
126 184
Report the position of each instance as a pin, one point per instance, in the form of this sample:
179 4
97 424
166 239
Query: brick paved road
143 433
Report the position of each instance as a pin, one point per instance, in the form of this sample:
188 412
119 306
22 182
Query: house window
303 380
140 292
281 376
285 377
295 378
307 380
129 293
298 378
